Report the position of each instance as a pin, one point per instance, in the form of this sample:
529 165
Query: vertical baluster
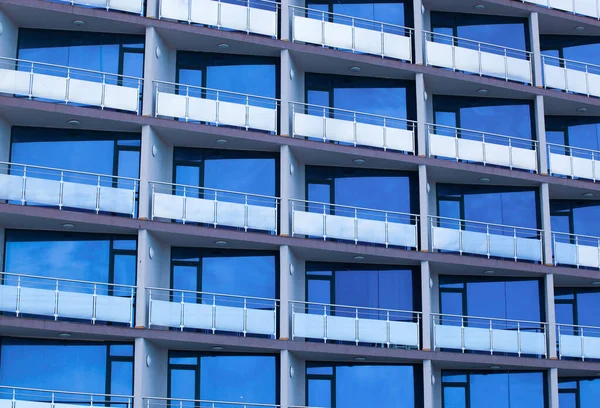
31 78
56 301
519 338
131 301
181 317
505 66
152 203
217 97
183 210
24 186
479 59
323 29
355 226
582 344
98 196
384 135
246 212
577 250
354 136
18 306
245 322
61 187
324 222
214 313
67 85
149 308
103 97
219 14
387 328
462 333
353 35
324 124
324 323
515 243
94 304
491 337
187 103
510 155
247 120
356 326
571 162
487 239
216 213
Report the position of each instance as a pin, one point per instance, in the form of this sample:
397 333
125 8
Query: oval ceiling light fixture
223 46
583 109
355 69
358 161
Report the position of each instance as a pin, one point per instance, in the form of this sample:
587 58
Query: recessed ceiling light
482 91
358 258
64 335
485 179
221 243
488 272
359 358
221 141
217 348
223 46
68 225
494 367
78 22
355 69
579 28
73 122
479 6
358 161
582 109
588 194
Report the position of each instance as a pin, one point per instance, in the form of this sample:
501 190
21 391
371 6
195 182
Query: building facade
305 204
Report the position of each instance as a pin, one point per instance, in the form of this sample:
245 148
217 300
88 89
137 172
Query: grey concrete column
156 164
546 226
292 90
426 306
293 380
5 135
421 115
436 380
428 391
286 17
159 65
152 10
9 37
550 315
553 388
540 133
418 32
292 287
153 270
423 209
536 59
292 186
150 372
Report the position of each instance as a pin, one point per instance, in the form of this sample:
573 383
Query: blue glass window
577 306
573 217
493 389
238 378
362 385
580 48
578 392
87 367
391 12
582 132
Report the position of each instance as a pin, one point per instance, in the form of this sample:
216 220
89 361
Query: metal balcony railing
69 85
574 162
19 397
25 184
482 147
154 402
471 333
213 206
250 16
351 33
365 225
130 6
194 103
571 76
578 341
491 240
355 128
212 311
576 250
395 328
483 59
589 8
66 298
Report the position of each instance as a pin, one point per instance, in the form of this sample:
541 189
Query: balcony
219 208
256 16
211 106
393 328
490 240
66 298
364 225
459 54
17 397
481 147
68 85
183 309
571 76
26 185
578 341
352 128
153 402
589 8
573 162
468 333
576 250
130 6
357 35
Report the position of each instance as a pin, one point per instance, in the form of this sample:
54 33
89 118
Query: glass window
574 131
573 217
580 48
578 392
396 12
577 306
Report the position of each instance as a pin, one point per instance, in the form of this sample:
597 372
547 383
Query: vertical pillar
436 380
423 209
421 115
540 133
286 17
428 390
550 315
159 65
536 59
9 37
553 388
292 287
292 90
426 306
295 375
156 164
418 32
152 8
150 372
292 186
546 226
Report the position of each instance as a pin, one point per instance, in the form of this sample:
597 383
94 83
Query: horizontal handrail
479 132
177 400
294 200
107 6
578 326
69 171
410 30
90 71
375 309
211 294
430 34
566 234
432 217
67 280
163 183
413 123
565 60
495 319
200 88
64 392
572 148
